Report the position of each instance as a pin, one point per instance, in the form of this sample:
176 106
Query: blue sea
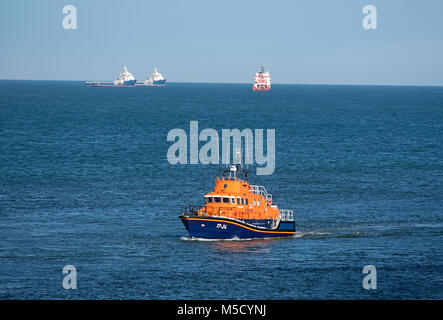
85 181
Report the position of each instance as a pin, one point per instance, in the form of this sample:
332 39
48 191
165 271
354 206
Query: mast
237 167
247 158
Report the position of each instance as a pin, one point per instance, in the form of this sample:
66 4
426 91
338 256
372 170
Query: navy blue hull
159 82
225 228
128 83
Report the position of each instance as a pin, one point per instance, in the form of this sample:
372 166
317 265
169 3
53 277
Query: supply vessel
236 209
156 79
126 79
262 80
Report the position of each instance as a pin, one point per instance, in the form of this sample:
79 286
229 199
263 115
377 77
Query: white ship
156 79
126 78
262 80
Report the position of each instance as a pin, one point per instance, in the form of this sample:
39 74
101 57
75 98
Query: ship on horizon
156 79
262 80
126 79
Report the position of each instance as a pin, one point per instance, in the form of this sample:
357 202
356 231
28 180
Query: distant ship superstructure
126 78
155 79
262 80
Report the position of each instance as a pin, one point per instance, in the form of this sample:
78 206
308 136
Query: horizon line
249 83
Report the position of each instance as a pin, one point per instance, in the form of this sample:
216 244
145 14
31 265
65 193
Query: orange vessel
236 209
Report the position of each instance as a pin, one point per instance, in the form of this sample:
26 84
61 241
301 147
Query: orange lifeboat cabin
236 209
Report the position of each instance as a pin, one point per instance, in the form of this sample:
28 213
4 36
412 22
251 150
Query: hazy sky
299 41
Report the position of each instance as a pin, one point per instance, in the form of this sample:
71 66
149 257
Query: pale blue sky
304 41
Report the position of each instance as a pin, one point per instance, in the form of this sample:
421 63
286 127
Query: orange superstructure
236 198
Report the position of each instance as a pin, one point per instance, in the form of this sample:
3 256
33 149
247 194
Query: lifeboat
236 209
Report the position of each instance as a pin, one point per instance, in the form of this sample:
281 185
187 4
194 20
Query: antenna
237 160
227 157
238 156
247 153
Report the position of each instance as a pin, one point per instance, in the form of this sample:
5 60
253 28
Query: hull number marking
221 226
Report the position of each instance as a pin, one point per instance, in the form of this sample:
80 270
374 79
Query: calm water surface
84 180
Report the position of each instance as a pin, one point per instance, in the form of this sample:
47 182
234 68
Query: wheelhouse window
208 199
226 200
246 201
255 203
233 200
238 200
217 199
242 201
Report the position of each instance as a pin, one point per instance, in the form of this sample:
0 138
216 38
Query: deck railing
286 215
226 212
261 191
